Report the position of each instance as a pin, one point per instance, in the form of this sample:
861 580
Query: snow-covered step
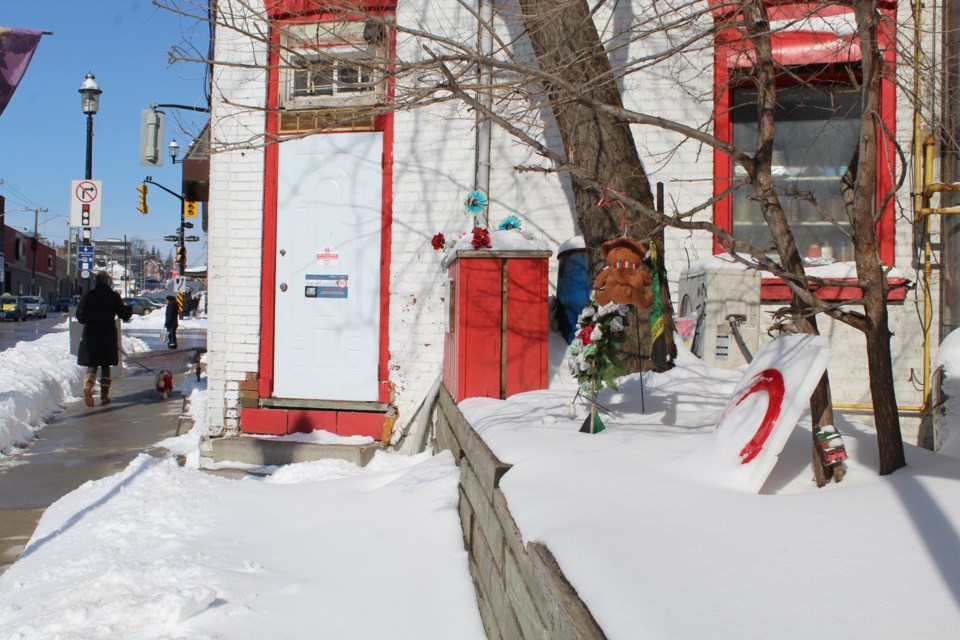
273 451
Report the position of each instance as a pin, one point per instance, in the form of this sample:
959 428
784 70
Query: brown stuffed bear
624 280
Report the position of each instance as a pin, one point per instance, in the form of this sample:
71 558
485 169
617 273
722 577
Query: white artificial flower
616 325
622 309
596 334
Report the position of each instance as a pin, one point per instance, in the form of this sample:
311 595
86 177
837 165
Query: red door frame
384 123
795 48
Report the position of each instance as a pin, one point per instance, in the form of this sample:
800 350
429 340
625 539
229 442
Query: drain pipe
485 98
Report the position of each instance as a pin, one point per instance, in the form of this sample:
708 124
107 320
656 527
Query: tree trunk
757 26
566 44
885 415
866 250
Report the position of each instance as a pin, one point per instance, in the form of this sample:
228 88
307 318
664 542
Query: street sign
84 274
172 238
85 257
86 197
180 284
192 238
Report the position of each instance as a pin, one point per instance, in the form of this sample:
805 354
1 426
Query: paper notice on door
321 285
328 258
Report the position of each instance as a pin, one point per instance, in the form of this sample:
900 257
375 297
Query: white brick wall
434 155
236 222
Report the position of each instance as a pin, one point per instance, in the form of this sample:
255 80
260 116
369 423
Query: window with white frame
331 64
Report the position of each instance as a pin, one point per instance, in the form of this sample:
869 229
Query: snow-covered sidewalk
318 550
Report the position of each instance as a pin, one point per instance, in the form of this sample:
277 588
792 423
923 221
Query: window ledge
774 290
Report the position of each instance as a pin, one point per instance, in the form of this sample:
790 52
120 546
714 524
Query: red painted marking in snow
771 381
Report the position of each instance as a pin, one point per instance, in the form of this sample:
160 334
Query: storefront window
817 128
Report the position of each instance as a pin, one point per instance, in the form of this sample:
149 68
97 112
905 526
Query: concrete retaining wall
521 590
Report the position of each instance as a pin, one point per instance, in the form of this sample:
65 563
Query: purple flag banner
16 50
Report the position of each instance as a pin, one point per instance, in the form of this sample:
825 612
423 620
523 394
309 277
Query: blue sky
43 130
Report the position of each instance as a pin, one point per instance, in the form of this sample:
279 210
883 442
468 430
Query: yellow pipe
939 186
928 148
927 211
917 122
869 407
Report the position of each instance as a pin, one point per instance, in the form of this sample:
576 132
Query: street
13 332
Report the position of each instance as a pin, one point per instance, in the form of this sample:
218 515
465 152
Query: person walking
99 345
185 312
171 323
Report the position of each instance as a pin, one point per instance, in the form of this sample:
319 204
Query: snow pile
656 548
160 551
36 380
948 357
511 240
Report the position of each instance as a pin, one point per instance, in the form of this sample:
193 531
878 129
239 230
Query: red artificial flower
584 335
438 242
481 238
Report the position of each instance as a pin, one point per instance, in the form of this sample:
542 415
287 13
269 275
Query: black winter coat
173 309
97 312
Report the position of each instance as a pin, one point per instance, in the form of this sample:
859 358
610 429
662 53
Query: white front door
327 312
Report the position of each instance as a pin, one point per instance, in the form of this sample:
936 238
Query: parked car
36 307
63 304
157 303
141 306
12 308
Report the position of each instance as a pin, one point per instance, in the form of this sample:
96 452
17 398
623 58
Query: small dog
164 383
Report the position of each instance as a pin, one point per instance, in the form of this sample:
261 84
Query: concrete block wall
521 590
235 233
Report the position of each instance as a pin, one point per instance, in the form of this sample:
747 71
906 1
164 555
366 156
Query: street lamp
174 152
90 103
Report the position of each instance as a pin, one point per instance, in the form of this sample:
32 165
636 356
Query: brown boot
89 380
104 390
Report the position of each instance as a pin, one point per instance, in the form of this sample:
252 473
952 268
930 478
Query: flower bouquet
595 350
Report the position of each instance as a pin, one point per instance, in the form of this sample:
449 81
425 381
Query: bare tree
570 73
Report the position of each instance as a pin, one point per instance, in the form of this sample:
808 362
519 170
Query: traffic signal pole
181 232
181 244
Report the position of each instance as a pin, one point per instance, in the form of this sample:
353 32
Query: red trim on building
298 9
292 9
281 422
268 270
774 290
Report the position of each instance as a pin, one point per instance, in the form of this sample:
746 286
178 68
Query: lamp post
174 152
90 103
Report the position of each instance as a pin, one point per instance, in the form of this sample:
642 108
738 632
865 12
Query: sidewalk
83 444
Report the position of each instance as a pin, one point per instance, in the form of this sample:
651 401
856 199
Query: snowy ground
654 546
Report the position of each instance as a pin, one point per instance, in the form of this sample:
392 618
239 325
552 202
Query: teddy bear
624 280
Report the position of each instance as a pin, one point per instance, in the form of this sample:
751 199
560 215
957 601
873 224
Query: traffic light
181 255
190 208
143 199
